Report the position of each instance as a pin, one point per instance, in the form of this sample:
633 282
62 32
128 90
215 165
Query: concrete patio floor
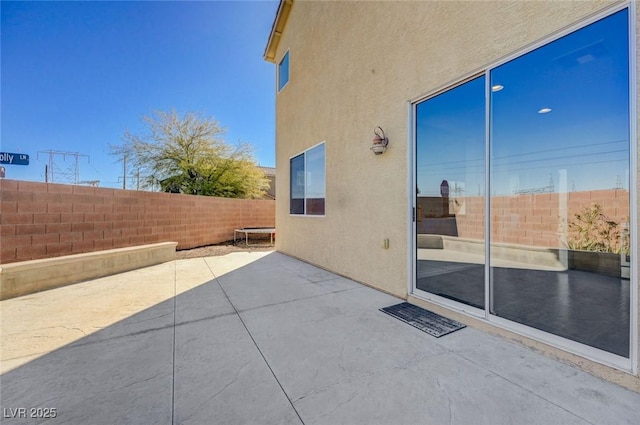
261 338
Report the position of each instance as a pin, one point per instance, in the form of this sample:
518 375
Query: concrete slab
295 337
125 379
200 294
36 324
263 282
227 263
221 378
437 390
546 377
262 338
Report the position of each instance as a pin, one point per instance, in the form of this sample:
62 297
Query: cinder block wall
42 220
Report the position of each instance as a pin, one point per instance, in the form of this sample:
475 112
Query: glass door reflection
450 177
560 187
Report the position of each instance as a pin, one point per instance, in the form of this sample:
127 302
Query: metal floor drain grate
425 320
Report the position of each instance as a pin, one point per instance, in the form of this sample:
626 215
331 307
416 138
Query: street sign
14 158
444 189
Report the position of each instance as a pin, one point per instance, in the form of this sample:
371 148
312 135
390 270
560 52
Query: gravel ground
222 249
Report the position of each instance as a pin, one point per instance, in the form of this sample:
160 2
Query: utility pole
131 176
124 170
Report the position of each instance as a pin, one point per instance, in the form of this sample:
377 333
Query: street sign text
14 158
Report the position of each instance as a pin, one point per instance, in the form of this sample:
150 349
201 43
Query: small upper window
283 71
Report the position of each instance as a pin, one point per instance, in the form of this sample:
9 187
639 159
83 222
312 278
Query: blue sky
77 75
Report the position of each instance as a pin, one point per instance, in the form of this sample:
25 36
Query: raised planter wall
27 277
596 262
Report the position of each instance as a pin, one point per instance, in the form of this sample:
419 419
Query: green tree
189 154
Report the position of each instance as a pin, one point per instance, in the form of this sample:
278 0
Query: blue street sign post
14 158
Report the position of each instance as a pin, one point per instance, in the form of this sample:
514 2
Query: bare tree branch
189 154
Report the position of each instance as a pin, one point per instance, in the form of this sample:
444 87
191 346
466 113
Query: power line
559 157
57 173
445 164
528 153
563 148
549 159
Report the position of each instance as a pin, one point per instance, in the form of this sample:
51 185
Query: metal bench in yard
254 230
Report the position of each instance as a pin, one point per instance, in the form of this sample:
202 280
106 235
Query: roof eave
276 30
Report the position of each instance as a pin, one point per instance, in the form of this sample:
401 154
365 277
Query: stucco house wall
357 65
354 66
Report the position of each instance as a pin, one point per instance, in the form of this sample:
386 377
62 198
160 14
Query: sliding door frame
629 364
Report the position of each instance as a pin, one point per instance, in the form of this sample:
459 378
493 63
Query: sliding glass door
560 186
450 176
558 125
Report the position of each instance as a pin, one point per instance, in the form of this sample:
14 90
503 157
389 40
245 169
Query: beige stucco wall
353 66
356 65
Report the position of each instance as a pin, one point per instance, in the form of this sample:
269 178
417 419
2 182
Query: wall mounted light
380 141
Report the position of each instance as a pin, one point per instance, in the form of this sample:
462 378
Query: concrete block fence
43 220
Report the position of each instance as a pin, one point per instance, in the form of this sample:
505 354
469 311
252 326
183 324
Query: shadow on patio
261 338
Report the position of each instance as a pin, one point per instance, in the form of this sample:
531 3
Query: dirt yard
223 249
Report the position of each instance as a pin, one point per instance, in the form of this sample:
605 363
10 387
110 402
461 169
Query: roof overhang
276 30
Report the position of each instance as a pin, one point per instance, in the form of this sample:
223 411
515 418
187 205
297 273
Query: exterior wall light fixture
380 141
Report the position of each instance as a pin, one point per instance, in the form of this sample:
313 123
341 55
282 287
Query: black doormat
425 320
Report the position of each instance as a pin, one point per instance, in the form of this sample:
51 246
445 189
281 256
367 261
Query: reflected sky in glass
315 172
564 106
560 110
450 135
283 71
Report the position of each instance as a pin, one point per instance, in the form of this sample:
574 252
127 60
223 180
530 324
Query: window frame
278 72
304 155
